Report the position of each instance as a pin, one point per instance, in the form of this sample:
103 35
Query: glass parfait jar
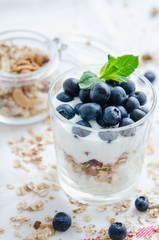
91 169
27 67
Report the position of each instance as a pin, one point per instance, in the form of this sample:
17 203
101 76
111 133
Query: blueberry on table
71 86
80 131
100 93
118 95
144 109
150 76
131 103
76 108
123 111
64 97
66 111
117 231
142 203
125 122
141 97
90 111
108 136
111 115
84 95
129 87
137 114
61 221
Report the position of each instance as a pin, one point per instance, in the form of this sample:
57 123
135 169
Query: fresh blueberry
128 87
100 93
117 231
113 83
123 111
111 115
142 203
144 109
64 97
118 95
125 122
108 136
71 86
61 221
66 111
90 111
150 76
84 95
76 108
141 97
101 121
137 114
80 131
131 103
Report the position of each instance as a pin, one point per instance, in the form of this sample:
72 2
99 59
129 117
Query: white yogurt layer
83 149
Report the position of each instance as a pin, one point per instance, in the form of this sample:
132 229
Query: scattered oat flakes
17 234
36 206
87 218
55 187
77 227
141 220
102 234
90 230
1 230
48 218
10 186
150 149
101 208
37 224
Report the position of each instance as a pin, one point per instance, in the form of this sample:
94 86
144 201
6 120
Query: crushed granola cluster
27 99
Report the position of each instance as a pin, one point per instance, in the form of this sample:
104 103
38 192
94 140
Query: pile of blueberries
112 104
116 231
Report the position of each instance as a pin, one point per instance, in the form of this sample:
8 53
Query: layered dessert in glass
101 130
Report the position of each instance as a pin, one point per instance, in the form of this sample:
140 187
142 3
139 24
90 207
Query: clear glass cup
93 170
24 96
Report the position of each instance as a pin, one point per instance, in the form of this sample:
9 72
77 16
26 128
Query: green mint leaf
120 67
88 80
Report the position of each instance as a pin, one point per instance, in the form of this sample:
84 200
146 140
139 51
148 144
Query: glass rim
118 129
13 76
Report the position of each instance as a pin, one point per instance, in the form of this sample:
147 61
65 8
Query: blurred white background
128 24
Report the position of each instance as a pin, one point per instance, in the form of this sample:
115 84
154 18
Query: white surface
130 29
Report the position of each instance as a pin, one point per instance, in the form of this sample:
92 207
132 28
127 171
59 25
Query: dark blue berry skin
150 76
141 97
117 231
125 122
66 111
100 93
144 109
108 136
111 115
131 103
90 111
137 114
118 96
142 203
70 86
84 95
76 108
101 121
128 87
123 111
64 97
61 221
80 131
113 83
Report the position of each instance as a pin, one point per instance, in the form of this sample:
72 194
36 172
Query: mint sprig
117 69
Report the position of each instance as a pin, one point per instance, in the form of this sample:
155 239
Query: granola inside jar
28 61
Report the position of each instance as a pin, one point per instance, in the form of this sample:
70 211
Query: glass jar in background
91 169
27 67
